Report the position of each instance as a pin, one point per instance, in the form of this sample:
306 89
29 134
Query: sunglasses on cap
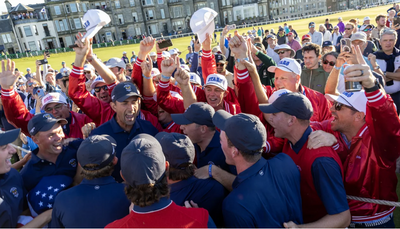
281 52
331 63
98 89
338 106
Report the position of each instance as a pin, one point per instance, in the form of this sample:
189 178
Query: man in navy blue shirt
51 157
99 199
208 193
266 193
12 191
125 125
322 190
197 124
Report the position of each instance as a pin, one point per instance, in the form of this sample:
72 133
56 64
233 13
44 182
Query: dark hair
147 194
266 31
94 174
184 172
249 156
335 54
327 19
312 47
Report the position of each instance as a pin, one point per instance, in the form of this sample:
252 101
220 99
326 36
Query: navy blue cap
219 58
199 113
143 161
177 148
292 103
59 76
123 91
311 23
326 44
97 150
245 131
7 137
43 122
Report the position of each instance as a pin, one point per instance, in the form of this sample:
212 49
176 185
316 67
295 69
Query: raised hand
197 46
83 47
8 77
207 42
182 77
146 66
146 45
360 72
87 128
238 46
225 31
168 66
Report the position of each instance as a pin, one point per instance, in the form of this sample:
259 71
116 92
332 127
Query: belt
372 223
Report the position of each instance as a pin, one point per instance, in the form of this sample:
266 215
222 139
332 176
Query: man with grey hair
388 63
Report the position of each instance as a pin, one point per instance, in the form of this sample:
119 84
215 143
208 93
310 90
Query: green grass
301 26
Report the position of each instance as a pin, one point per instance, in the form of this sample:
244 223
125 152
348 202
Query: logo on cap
72 162
348 94
284 62
127 87
14 191
32 130
216 79
46 116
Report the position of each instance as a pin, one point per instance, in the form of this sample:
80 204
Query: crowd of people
262 130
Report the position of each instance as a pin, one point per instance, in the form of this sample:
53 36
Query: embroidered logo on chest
14 191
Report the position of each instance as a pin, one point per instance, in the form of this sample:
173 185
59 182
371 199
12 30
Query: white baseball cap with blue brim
93 21
287 65
356 100
202 22
217 80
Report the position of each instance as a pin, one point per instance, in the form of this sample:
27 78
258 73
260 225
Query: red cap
306 37
290 33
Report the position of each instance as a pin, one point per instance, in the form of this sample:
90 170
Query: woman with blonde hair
326 34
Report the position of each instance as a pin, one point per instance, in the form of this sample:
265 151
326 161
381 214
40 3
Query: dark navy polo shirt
208 194
213 154
92 203
37 168
12 197
123 138
327 179
267 194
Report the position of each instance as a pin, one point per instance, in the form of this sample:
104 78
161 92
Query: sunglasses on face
338 106
281 52
98 89
331 63
311 26
366 30
348 28
130 70
220 65
56 108
31 84
86 72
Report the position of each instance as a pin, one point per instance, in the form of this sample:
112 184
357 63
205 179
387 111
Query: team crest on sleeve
72 162
14 191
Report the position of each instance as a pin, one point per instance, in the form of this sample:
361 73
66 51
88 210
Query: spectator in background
271 39
335 35
328 61
380 24
328 25
264 41
304 40
355 22
366 22
272 31
327 46
286 28
368 31
133 57
316 37
326 34
64 68
390 18
294 44
125 58
189 55
153 56
284 51
347 34
296 36
341 25
259 32
281 37
28 73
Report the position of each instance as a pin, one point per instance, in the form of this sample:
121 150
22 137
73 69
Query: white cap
96 81
154 72
277 94
166 54
93 21
340 18
123 52
172 52
194 78
115 62
53 97
217 80
360 36
284 46
202 22
367 18
185 67
88 67
357 100
287 65
153 54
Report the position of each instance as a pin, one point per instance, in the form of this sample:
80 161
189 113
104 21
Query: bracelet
91 59
146 77
374 88
165 77
337 68
210 171
176 83
246 58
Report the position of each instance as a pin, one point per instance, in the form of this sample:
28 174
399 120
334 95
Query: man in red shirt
144 169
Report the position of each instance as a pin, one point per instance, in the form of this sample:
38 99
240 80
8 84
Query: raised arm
148 86
333 78
38 76
222 39
100 67
208 64
182 77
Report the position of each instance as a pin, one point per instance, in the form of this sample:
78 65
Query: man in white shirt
271 40
316 37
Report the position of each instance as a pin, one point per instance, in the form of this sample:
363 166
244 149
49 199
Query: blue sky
15 2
